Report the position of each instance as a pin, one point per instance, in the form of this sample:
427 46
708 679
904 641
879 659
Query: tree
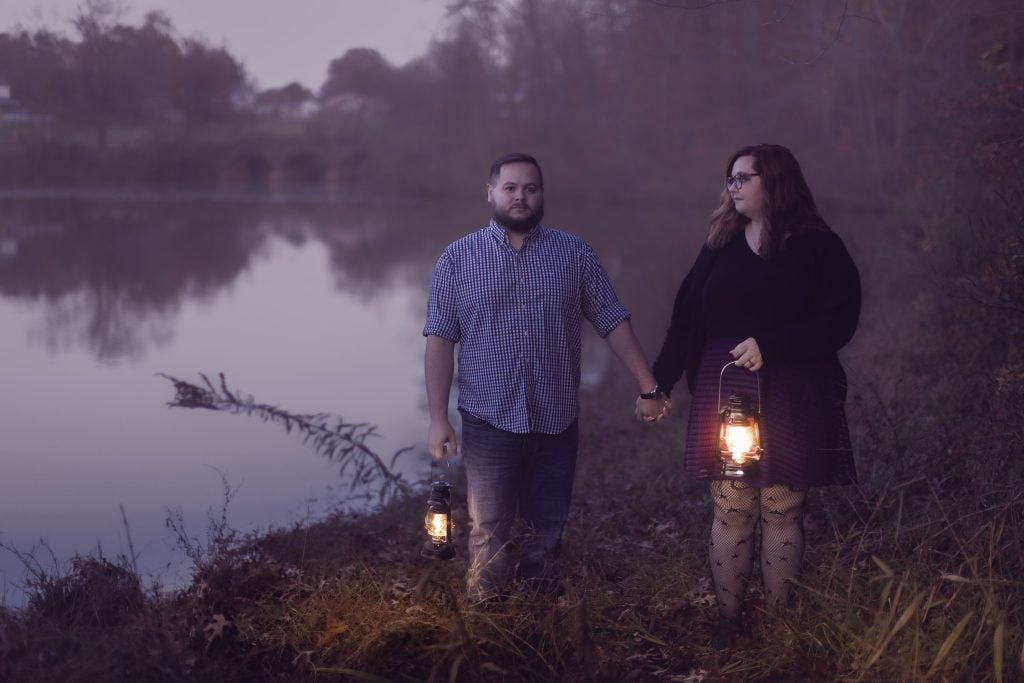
361 72
120 75
289 100
207 83
104 91
35 66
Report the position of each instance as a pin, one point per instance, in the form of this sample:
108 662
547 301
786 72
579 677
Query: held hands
441 441
748 355
653 410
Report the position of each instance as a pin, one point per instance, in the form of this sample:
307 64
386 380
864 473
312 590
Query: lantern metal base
736 471
445 551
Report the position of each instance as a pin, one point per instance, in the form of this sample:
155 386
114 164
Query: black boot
725 633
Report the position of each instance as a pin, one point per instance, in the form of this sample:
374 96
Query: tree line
644 95
112 74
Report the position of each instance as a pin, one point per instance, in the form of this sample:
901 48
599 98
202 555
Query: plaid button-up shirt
517 318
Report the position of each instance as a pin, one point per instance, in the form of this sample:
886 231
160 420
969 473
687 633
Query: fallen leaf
333 630
216 628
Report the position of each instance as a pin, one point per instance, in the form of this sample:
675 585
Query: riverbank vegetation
908 583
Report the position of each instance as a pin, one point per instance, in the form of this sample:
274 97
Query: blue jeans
524 478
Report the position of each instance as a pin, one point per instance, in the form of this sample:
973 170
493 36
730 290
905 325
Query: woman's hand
748 355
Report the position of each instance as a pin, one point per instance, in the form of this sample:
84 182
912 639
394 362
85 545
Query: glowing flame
739 440
437 526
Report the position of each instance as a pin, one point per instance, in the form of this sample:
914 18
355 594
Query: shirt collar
501 235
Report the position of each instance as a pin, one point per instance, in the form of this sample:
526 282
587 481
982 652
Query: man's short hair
514 158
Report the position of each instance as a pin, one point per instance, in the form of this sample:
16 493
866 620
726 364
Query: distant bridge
238 161
266 164
284 167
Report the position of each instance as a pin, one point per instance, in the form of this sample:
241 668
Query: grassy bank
904 580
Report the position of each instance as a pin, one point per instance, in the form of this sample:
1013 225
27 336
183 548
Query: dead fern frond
341 442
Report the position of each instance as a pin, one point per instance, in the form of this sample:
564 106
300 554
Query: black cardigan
812 327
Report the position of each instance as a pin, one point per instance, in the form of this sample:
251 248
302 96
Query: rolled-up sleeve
599 303
442 315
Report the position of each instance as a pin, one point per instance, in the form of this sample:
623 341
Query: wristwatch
653 395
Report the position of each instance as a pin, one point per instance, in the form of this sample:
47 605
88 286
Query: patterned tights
737 507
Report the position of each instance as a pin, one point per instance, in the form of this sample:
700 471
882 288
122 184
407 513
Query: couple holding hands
773 291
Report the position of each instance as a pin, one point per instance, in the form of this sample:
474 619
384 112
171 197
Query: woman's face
744 186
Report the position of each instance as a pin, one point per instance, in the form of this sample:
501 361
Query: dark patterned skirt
804 432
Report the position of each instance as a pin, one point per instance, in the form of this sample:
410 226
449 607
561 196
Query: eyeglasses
735 182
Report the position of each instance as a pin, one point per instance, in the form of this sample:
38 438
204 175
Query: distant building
7 104
11 111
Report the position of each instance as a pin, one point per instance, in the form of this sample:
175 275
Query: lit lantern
739 433
438 522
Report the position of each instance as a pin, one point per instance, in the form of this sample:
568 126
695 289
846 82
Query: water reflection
111 276
98 296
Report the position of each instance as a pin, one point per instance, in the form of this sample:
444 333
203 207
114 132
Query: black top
803 304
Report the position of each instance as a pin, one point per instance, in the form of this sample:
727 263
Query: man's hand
653 410
441 441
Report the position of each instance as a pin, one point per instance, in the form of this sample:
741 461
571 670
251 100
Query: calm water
313 307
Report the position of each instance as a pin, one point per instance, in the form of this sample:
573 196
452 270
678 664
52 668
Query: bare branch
133 556
780 17
330 436
832 40
1012 141
703 4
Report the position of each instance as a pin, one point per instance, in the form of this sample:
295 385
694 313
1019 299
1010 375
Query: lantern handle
722 374
433 464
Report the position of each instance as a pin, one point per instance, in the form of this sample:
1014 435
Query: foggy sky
278 42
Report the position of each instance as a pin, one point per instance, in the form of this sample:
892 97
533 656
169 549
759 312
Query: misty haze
161 213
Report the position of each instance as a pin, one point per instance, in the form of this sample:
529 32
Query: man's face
516 197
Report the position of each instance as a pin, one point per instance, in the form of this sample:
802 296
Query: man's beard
519 226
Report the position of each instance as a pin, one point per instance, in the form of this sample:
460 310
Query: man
513 295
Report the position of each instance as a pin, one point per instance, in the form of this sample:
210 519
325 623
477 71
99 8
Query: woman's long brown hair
789 206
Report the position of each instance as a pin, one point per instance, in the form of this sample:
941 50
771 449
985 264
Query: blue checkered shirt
517 319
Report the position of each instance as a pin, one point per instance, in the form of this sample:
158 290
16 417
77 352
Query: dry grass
908 582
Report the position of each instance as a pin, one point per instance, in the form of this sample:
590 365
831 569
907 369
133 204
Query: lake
308 304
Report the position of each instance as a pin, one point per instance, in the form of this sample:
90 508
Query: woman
774 292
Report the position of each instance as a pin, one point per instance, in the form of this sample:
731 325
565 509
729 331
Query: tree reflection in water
111 276
98 294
